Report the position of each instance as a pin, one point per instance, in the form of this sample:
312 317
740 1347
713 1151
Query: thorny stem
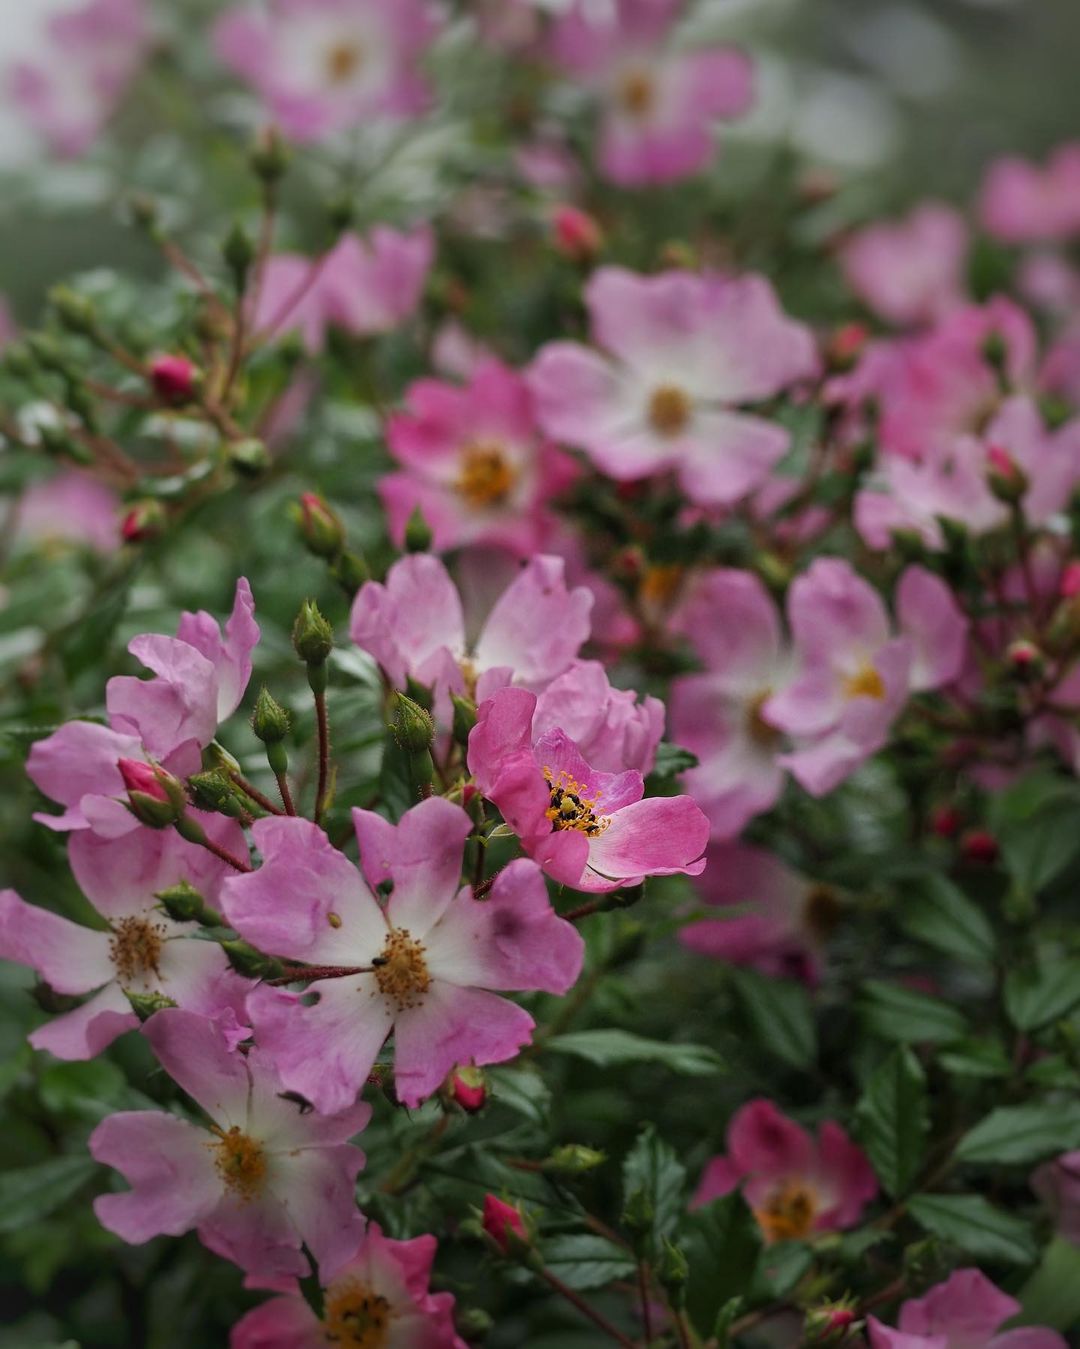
218 851
293 299
249 789
324 754
286 795
583 910
601 1322
312 972
643 1289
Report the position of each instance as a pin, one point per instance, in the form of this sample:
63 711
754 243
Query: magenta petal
422 855
193 1052
537 625
85 1032
503 728
655 837
720 1177
967 1308
763 1142
69 957
929 614
258 1235
80 760
281 1323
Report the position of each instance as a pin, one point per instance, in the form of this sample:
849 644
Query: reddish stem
601 1322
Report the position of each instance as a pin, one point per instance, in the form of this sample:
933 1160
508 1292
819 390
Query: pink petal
928 613
659 836
422 855
766 1144
537 626
85 1032
69 957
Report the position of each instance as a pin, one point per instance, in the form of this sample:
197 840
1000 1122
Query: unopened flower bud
505 1225
74 311
464 718
638 1213
830 1323
270 721
473 1323
143 520
946 821
575 234
411 725
572 1159
1004 476
677 253
319 526
249 456
672 1272
845 345
154 797
313 637
979 846
215 792
18 360
239 253
184 904
174 378
418 533
350 571
468 1088
144 1005
144 212
247 961
270 156
1025 661
61 444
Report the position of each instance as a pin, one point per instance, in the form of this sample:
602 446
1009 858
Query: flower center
789 1212
570 807
660 583
669 410
757 728
821 910
486 478
135 948
401 971
865 683
636 93
240 1162
355 1316
343 60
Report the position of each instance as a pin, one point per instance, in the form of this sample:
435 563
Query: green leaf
1051 1297
935 911
906 1017
33 1192
1035 997
523 1090
1020 1134
652 1170
672 760
610 1048
892 1120
976 1058
1034 822
780 1016
722 1244
584 1260
780 1267
968 1221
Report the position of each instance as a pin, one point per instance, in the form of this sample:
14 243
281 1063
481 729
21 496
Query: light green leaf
653 1170
610 1048
937 912
1021 1134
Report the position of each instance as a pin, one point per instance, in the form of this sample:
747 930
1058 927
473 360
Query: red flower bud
945 821
1069 585
846 345
501 1220
1006 479
468 1088
320 527
154 797
978 845
144 520
576 235
141 777
173 377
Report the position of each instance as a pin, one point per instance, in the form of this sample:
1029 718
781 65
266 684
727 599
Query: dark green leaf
1035 997
33 1192
722 1243
672 760
906 1017
608 1048
975 1226
1051 1297
976 1058
523 1090
892 1120
1021 1134
584 1260
1034 822
780 1016
653 1170
936 912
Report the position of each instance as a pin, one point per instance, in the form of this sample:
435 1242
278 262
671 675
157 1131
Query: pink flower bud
978 845
173 378
846 345
320 527
500 1220
1070 581
144 520
141 777
468 1088
576 235
945 821
154 797
1007 480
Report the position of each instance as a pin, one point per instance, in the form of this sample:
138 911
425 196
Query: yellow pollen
660 583
334 919
487 478
135 948
822 910
355 1316
469 674
570 807
240 1162
343 61
865 683
401 971
637 93
789 1212
757 728
669 410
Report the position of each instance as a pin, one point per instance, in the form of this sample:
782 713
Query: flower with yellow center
757 728
866 682
570 807
135 948
660 584
789 1212
343 61
636 93
486 477
669 410
355 1316
401 971
240 1162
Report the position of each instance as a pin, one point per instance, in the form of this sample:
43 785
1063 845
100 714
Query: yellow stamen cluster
355 1316
135 948
240 1162
757 728
487 477
865 683
669 410
343 61
789 1212
636 93
660 584
570 807
401 971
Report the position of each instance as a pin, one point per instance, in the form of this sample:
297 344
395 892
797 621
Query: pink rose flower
383 1290
200 678
474 462
322 66
364 286
964 1312
779 921
69 508
659 104
795 1184
427 959
587 828
265 1178
680 353
414 626
142 951
1023 203
911 271
93 53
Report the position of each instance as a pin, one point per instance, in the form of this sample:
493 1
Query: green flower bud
672 1271
473 1323
252 964
215 791
270 156
320 528
572 1159
313 637
144 213
144 1005
638 1214
411 725
270 721
350 571
464 717
418 533
75 311
184 904
249 457
239 253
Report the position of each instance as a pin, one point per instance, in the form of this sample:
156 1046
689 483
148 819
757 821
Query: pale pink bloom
1023 203
1060 373
384 1285
1050 282
548 164
93 54
364 286
1057 1184
909 271
414 626
680 353
795 1184
733 624
142 950
456 353
855 674
779 920
71 507
660 104
322 66
267 1177
587 828
964 1312
441 952
200 678
474 462
610 726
